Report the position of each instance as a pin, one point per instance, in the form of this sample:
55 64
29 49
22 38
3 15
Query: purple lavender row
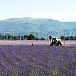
22 60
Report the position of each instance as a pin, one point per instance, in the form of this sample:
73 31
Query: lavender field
37 60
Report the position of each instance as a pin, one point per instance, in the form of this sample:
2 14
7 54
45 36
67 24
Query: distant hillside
39 27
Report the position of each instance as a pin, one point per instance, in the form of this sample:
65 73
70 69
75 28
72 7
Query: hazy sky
62 10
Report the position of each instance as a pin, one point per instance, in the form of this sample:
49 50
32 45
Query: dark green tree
42 38
0 37
62 37
71 38
16 37
25 37
31 37
37 38
74 37
67 38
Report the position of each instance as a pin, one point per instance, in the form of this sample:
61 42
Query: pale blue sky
62 10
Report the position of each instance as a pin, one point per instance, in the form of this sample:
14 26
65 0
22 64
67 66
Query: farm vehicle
55 41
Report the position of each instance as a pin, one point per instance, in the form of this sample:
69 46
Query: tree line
65 37
68 37
32 37
23 37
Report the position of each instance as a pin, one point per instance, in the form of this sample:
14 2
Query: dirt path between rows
30 42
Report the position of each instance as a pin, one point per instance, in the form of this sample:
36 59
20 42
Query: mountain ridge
42 27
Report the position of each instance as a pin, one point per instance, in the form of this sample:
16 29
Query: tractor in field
55 41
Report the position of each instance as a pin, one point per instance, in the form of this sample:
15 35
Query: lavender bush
25 60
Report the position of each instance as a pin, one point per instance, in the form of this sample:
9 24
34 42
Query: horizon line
33 18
